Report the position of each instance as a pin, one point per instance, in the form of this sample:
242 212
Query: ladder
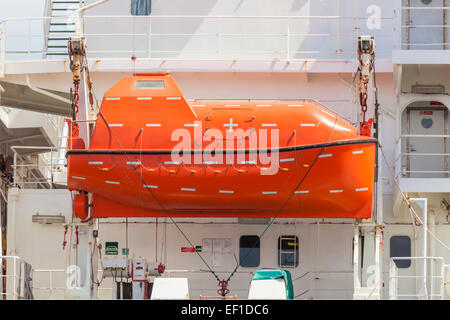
60 29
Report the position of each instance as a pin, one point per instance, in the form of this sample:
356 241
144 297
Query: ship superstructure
380 65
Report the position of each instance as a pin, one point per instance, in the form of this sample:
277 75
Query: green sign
111 248
198 248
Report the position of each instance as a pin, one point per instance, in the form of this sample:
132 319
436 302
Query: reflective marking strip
153 125
116 124
263 105
188 189
191 124
361 189
336 191
133 162
171 162
95 162
226 191
150 186
307 124
325 155
302 191
232 105
198 105
112 182
144 98
173 98
112 98
269 192
79 178
248 162
295 105
287 160
269 124
358 152
209 162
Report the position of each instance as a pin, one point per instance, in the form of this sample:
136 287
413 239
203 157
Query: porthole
426 2
427 123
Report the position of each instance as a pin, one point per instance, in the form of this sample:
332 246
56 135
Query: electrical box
139 269
115 267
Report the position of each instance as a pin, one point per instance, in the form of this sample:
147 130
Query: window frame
401 262
295 252
258 247
135 13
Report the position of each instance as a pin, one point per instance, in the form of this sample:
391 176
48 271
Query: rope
406 199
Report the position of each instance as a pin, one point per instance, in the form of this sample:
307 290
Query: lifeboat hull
325 181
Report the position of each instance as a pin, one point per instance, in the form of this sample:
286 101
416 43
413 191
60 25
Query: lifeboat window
400 246
149 84
249 251
141 7
288 251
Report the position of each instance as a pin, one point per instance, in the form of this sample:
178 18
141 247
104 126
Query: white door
426 31
425 155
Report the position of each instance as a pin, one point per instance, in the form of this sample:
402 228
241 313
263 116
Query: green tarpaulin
265 274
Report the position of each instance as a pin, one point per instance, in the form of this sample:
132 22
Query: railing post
288 39
149 47
29 38
442 282
393 280
51 169
15 169
22 280
14 278
219 40
50 283
2 49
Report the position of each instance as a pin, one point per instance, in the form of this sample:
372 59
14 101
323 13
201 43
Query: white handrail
403 155
51 165
284 50
394 277
14 274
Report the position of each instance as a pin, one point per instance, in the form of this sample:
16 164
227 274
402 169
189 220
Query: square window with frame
288 251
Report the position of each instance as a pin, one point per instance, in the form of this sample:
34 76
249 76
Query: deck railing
412 164
15 284
38 172
423 28
427 289
197 37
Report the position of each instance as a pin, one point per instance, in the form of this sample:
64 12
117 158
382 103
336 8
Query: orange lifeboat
154 154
